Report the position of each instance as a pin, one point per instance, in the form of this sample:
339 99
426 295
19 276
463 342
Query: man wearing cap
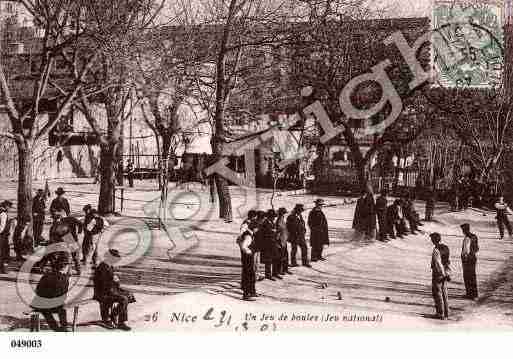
318 230
53 286
283 237
107 292
297 230
5 232
469 249
38 215
440 276
60 203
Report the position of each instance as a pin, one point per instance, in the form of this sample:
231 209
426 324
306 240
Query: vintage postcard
270 166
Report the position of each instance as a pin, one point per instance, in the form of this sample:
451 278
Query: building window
10 7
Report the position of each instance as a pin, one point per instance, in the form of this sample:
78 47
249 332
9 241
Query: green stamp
468 43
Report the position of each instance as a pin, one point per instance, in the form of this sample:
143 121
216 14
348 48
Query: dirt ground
195 266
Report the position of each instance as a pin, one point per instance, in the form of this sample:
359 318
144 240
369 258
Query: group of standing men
442 273
64 228
394 220
265 236
54 283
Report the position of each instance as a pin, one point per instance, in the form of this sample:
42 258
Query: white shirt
436 263
3 221
465 247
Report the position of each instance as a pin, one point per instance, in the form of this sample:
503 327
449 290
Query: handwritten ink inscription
262 322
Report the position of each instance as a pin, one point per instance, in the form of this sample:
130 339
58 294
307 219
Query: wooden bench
35 322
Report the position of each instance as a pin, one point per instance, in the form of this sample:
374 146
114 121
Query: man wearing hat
60 203
64 230
440 275
283 235
297 230
107 292
270 253
318 230
5 232
54 286
38 215
469 249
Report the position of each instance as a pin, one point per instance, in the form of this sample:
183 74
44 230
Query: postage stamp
468 43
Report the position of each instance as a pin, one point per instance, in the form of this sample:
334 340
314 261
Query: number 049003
22 343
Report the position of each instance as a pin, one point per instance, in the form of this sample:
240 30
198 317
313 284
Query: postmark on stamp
468 43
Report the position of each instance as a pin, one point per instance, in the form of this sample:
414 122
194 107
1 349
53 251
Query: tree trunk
119 156
164 172
107 182
225 200
159 158
358 159
24 179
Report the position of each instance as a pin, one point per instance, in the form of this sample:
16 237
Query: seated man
51 292
108 292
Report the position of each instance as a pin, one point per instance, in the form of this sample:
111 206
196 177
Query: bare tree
239 31
486 135
117 29
35 98
335 46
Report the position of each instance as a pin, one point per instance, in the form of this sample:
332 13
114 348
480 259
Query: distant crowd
383 220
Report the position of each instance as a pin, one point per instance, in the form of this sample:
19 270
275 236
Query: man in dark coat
53 287
430 205
283 238
297 236
395 219
130 173
270 249
381 213
318 231
60 203
469 249
365 215
357 216
38 214
502 210
5 233
410 214
107 292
